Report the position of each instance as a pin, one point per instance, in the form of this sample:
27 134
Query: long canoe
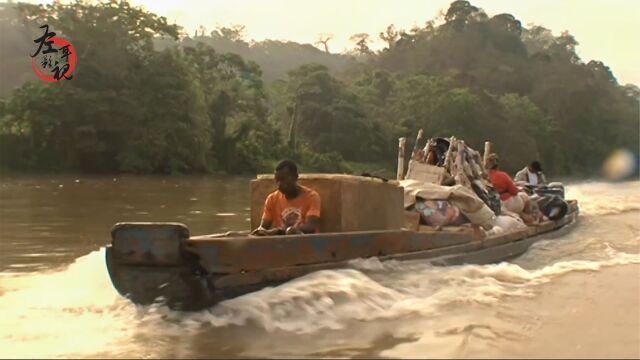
150 262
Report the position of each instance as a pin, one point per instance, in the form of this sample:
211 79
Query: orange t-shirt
283 212
503 184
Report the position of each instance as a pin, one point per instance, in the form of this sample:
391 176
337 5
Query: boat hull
161 263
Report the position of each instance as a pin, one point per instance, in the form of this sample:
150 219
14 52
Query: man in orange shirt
511 199
293 208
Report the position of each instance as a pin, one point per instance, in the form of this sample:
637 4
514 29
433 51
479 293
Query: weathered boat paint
237 254
148 243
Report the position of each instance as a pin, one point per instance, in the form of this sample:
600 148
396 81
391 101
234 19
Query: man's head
286 176
492 161
535 167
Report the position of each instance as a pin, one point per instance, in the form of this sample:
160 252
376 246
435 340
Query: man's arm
312 218
311 225
511 186
265 229
267 221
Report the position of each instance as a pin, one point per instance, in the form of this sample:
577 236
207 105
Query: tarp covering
464 198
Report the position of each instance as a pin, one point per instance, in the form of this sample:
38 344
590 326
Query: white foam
331 299
62 313
605 198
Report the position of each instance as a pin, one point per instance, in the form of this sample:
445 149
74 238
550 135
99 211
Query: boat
362 217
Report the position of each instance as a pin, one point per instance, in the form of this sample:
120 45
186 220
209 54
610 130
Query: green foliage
323 113
15 42
178 110
312 161
147 98
524 89
274 57
526 132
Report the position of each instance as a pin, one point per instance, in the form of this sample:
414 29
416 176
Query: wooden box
348 203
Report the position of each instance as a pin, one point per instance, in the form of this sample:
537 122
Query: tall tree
323 39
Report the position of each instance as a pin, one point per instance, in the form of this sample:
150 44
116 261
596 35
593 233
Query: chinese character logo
55 58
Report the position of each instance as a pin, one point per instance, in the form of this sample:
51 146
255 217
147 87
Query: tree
168 103
361 41
390 36
236 106
323 39
526 133
328 117
16 41
461 13
118 120
202 30
234 33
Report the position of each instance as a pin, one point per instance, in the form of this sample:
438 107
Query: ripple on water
364 310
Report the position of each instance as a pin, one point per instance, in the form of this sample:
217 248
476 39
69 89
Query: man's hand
292 230
260 231
310 225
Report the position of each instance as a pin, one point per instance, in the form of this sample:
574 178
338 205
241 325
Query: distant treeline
148 98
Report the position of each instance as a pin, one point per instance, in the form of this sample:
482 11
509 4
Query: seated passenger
512 200
293 208
531 174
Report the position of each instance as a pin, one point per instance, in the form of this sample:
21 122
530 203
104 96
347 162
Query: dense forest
147 97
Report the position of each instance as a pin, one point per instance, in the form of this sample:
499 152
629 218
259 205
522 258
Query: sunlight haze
605 30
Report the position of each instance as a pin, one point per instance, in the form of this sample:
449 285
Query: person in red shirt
512 199
292 208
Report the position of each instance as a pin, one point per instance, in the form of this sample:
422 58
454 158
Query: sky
607 30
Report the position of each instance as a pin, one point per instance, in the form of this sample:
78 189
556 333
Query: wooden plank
146 243
290 272
446 229
411 220
145 284
280 274
400 170
505 238
348 203
509 249
435 253
220 235
232 255
489 255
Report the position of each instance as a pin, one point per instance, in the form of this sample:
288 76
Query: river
573 295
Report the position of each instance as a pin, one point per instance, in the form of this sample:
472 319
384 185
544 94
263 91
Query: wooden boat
151 261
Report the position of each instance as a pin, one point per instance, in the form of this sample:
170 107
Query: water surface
58 301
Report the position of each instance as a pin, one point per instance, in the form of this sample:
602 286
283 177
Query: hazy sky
607 30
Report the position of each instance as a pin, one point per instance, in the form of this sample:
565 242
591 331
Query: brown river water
574 294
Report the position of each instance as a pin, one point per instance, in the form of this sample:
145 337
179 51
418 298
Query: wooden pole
416 149
401 143
488 149
447 158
